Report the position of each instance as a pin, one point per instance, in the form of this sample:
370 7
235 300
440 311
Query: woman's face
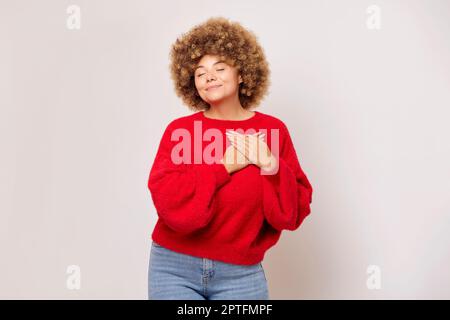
215 80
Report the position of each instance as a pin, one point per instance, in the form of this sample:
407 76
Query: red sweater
206 212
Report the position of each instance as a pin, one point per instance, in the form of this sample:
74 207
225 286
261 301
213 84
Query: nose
209 77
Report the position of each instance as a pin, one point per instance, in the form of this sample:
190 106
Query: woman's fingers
252 146
235 132
240 144
247 148
248 145
234 138
241 148
231 133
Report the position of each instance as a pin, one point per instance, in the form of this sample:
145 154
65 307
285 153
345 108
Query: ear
240 79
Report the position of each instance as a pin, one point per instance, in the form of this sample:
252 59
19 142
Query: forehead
208 60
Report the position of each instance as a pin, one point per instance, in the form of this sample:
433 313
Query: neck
227 110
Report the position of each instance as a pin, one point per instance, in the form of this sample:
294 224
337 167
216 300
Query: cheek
230 82
230 78
198 84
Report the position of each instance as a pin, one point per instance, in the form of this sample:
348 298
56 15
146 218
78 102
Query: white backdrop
363 87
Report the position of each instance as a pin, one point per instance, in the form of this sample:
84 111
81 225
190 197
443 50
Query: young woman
225 181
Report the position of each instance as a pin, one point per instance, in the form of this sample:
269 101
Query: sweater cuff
221 173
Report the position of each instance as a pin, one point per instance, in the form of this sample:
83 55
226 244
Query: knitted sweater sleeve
287 194
184 194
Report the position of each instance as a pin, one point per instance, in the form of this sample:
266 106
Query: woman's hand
233 160
253 148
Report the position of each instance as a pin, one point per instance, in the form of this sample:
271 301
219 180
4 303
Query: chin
216 98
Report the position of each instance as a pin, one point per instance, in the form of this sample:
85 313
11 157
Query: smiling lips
213 87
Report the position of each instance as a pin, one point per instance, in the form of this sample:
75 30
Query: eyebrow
213 64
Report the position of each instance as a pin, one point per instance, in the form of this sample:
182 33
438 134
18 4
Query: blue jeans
177 276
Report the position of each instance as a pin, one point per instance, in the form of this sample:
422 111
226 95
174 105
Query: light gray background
82 113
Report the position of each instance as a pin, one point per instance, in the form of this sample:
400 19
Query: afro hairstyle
235 45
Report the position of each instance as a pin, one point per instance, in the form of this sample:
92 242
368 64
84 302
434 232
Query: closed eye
203 73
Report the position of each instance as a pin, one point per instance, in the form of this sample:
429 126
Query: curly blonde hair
235 45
